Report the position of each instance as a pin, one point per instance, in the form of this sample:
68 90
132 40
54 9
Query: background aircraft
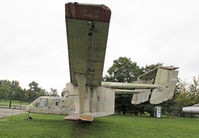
191 109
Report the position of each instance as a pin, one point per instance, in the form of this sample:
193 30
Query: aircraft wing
87 33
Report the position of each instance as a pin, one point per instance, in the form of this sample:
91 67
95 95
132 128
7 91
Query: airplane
86 96
191 109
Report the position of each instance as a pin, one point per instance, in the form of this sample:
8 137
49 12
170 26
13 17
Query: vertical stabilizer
166 79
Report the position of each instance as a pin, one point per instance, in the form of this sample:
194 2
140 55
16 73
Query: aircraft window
98 98
57 103
42 102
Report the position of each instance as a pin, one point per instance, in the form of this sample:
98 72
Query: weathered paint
52 105
99 101
141 97
168 79
120 85
82 117
87 39
160 83
88 12
87 33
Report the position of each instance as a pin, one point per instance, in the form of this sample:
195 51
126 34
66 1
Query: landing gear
81 80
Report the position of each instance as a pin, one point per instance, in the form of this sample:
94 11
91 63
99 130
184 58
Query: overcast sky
33 42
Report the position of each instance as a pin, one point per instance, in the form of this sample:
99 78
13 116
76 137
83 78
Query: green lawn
53 126
14 103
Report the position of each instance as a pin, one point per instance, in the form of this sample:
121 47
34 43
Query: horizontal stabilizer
164 78
141 97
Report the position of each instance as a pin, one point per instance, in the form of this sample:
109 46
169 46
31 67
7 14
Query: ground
117 126
10 112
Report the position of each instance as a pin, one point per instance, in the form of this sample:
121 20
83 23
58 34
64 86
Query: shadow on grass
87 129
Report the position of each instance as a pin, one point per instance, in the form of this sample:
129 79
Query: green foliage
34 86
150 67
53 126
19 93
12 90
187 94
124 70
5 82
35 91
4 91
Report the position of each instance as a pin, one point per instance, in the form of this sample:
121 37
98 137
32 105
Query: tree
35 91
188 94
150 67
54 92
4 91
124 70
13 91
5 82
20 94
34 86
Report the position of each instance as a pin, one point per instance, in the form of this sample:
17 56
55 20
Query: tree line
12 90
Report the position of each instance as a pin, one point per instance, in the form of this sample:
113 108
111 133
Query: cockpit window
57 103
43 102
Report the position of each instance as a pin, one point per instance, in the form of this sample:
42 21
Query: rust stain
86 118
88 12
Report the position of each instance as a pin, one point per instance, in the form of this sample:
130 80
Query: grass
14 103
43 126
116 126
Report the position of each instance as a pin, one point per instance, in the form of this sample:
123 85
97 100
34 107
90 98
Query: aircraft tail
165 77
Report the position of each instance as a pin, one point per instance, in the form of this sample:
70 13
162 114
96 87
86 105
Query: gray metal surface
164 77
51 105
141 97
120 85
99 101
168 79
191 109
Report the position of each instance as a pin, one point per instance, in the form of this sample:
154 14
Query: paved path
8 112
